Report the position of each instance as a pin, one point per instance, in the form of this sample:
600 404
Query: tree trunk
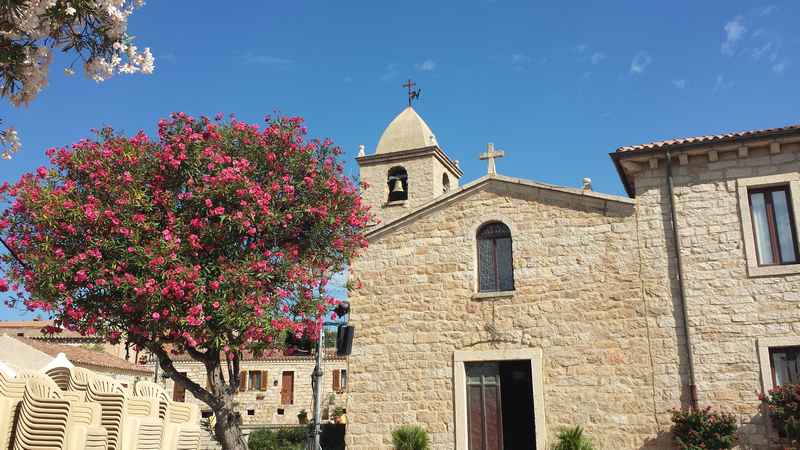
218 395
228 429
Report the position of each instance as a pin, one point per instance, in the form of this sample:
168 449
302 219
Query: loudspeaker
344 340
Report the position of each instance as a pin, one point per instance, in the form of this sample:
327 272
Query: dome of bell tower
406 132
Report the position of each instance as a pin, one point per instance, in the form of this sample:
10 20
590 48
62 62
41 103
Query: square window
773 225
785 365
251 412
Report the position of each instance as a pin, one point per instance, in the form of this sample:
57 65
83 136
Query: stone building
275 389
496 313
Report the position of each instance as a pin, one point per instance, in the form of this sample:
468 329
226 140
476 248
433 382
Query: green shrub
281 439
572 439
410 437
783 407
703 429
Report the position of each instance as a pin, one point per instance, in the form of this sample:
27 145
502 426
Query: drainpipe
681 284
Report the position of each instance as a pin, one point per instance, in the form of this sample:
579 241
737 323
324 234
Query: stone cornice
404 155
474 186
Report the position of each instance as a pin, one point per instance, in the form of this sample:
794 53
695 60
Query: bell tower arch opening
397 181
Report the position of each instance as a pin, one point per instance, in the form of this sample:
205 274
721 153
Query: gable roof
476 185
84 357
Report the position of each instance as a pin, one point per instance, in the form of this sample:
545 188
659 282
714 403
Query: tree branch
167 366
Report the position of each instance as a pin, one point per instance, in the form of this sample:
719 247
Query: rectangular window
773 226
785 365
254 380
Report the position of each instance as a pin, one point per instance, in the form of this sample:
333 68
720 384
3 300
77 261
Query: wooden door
178 391
287 388
484 407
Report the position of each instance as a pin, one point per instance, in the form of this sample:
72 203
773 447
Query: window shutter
242 381
336 381
264 383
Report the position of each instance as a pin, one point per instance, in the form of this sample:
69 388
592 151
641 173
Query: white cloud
640 62
520 59
680 84
428 65
722 84
780 67
389 72
767 10
597 57
769 49
734 32
251 58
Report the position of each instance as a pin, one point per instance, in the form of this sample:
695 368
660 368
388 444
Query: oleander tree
217 239
92 32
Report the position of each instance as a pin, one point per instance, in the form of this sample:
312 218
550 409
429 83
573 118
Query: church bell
398 186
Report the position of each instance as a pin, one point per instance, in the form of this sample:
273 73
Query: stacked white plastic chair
49 420
181 420
8 405
132 423
59 370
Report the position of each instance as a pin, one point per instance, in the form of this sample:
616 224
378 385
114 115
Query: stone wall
265 404
578 298
728 310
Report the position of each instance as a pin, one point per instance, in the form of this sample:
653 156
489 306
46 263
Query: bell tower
407 170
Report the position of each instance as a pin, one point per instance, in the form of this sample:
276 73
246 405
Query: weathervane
412 94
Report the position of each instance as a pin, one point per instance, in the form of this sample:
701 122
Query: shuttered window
337 387
495 261
242 381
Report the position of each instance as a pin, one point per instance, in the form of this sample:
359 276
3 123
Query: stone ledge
492 295
777 269
395 203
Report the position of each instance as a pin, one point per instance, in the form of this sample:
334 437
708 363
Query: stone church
496 312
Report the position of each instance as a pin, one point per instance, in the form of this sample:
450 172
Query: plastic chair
181 420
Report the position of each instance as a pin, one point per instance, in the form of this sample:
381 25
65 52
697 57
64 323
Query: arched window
398 184
495 267
445 182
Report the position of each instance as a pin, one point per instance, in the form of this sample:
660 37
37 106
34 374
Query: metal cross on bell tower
490 155
412 93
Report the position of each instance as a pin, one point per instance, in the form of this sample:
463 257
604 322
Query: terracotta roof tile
33 329
81 356
657 145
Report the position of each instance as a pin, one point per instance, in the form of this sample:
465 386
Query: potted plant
339 415
410 437
302 417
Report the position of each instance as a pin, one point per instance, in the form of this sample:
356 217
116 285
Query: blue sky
557 86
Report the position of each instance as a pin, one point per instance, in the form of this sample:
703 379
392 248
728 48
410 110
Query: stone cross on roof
490 155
